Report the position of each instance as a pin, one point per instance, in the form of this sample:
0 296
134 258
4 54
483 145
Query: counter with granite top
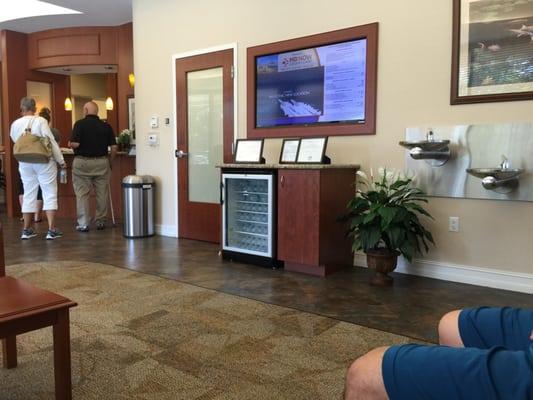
290 166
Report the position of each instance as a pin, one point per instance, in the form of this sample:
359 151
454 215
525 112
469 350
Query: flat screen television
315 85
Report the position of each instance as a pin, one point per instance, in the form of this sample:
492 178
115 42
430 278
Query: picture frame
289 151
131 115
313 151
249 151
491 51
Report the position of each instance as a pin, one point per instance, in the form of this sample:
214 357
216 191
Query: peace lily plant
383 219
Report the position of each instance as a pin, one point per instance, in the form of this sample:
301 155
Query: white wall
413 89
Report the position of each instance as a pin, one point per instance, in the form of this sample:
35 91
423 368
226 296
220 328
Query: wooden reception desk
123 165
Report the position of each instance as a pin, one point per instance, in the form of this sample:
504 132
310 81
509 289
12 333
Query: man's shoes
28 234
53 234
82 228
100 226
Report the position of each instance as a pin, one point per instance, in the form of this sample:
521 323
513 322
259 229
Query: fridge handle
221 192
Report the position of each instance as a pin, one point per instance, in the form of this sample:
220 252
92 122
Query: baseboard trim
494 278
166 230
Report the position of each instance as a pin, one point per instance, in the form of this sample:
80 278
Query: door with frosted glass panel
204 94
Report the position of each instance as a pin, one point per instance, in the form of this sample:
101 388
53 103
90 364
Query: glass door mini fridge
248 217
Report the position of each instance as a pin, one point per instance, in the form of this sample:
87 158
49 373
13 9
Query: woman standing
46 113
34 175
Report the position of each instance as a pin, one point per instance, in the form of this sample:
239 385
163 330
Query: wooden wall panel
125 67
72 46
111 91
14 72
76 45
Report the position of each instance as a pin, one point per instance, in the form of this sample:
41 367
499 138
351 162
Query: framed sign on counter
249 151
313 151
289 151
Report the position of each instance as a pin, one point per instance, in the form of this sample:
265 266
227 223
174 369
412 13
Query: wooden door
298 216
204 99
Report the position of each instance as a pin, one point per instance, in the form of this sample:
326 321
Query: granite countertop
70 152
289 166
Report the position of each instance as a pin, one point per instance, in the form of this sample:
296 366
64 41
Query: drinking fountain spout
505 163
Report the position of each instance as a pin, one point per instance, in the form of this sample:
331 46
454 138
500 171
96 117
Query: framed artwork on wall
492 51
289 151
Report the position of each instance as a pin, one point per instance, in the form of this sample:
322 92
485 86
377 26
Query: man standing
92 165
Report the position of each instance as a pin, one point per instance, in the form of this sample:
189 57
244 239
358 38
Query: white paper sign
289 150
311 150
248 151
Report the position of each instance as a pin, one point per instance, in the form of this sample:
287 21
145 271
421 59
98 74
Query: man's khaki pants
88 173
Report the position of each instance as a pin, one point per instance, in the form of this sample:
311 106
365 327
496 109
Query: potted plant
124 139
384 222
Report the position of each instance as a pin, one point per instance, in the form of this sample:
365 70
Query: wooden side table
24 308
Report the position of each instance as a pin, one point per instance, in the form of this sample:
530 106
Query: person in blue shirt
484 353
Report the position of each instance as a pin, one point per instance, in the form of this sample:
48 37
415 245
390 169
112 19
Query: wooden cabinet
310 201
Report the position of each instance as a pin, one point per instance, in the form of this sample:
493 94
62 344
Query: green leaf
387 214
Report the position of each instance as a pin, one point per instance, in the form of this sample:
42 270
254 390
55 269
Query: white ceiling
95 13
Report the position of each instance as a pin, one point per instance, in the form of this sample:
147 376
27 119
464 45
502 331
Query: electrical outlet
453 224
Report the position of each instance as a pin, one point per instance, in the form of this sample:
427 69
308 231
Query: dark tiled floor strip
411 308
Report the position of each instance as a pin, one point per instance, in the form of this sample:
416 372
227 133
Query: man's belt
91 158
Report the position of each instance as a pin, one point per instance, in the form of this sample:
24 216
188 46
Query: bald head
90 108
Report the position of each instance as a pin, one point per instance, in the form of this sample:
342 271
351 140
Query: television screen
317 85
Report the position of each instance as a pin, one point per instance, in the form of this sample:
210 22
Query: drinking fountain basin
427 145
501 180
434 152
497 173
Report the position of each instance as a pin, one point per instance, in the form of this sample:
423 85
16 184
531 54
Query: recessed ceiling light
30 8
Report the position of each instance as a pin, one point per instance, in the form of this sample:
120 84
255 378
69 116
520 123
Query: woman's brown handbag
32 149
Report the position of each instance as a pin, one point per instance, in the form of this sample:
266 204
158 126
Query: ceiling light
109 104
68 104
30 8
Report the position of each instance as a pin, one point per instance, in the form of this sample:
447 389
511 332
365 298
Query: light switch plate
154 122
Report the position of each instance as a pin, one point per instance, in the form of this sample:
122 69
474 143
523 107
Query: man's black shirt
93 135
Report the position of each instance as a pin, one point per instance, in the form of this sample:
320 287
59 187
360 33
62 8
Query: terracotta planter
382 261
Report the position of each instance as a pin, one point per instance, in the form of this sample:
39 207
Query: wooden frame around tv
370 32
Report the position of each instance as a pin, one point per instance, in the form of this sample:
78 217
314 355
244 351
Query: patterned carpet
137 336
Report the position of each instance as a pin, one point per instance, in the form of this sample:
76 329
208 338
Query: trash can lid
138 179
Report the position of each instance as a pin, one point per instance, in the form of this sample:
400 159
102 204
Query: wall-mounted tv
316 85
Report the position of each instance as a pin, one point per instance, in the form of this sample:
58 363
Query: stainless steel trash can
138 204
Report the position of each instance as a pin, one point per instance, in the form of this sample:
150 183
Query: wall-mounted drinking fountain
503 179
434 152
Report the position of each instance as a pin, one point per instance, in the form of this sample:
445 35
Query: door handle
282 181
180 154
221 192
